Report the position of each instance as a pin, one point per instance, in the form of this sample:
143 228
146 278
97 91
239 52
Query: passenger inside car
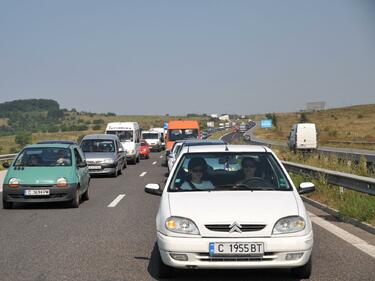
195 180
33 160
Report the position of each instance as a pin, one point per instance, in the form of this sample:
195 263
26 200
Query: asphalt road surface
96 242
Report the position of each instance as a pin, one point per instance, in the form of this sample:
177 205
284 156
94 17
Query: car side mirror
167 153
6 165
83 164
306 187
153 189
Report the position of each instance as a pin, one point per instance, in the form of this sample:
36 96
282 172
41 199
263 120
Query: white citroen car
232 206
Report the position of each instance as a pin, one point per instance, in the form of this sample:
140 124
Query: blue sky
157 57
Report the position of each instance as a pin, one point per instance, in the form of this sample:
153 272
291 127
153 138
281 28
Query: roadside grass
350 204
3 122
330 161
354 123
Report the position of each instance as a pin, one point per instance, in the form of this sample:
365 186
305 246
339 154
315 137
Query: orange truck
181 130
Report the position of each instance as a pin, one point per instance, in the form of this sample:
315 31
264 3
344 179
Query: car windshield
123 135
228 171
182 134
150 136
44 156
98 146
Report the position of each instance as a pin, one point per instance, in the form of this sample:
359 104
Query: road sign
166 125
266 123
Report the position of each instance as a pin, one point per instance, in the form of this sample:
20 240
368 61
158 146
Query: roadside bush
96 127
98 121
82 128
23 139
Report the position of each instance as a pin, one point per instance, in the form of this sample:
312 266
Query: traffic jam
223 206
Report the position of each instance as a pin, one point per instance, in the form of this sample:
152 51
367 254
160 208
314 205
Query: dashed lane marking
116 201
153 163
346 236
161 156
143 174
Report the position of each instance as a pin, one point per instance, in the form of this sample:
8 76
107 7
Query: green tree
23 138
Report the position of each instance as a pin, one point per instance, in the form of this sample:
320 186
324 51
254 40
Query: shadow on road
221 275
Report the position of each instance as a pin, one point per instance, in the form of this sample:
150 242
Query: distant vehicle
154 139
172 156
47 173
163 134
303 136
104 154
182 130
227 125
144 150
242 128
231 207
57 142
130 135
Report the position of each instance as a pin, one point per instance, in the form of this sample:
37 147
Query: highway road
112 240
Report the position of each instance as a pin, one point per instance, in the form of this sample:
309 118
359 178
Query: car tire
76 200
163 270
85 196
303 272
7 205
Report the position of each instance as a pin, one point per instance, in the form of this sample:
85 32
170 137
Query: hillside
354 123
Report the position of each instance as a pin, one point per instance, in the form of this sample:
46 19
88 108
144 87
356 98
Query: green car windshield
44 157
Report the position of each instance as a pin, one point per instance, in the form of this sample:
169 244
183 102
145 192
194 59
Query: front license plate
236 248
95 167
36 192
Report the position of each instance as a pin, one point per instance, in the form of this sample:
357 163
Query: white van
129 135
163 132
154 139
303 136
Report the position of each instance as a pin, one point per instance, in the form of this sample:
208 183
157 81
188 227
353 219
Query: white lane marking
143 174
161 156
153 163
116 201
346 236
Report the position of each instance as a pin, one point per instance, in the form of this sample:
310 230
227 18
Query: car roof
101 137
53 145
225 148
56 142
203 142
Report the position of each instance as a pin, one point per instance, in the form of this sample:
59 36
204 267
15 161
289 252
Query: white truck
129 134
154 140
303 136
163 132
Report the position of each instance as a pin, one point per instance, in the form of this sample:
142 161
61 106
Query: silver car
104 154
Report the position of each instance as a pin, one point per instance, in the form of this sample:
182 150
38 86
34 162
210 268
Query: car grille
18 196
93 161
226 227
266 257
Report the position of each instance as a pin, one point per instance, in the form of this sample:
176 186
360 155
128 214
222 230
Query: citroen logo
235 227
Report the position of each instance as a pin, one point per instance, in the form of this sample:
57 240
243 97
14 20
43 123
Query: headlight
61 182
107 161
289 225
13 182
181 225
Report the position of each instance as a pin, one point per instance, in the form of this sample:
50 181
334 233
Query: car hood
99 155
227 207
40 175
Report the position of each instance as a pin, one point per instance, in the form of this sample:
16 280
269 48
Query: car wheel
85 196
120 171
303 272
163 270
76 200
7 205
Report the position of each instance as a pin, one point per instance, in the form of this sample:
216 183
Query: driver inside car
197 168
249 168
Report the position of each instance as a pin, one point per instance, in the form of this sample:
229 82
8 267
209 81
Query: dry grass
3 122
355 123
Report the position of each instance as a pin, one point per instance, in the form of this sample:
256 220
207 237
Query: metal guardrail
6 157
349 181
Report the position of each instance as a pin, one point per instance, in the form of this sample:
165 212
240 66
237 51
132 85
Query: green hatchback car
47 173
